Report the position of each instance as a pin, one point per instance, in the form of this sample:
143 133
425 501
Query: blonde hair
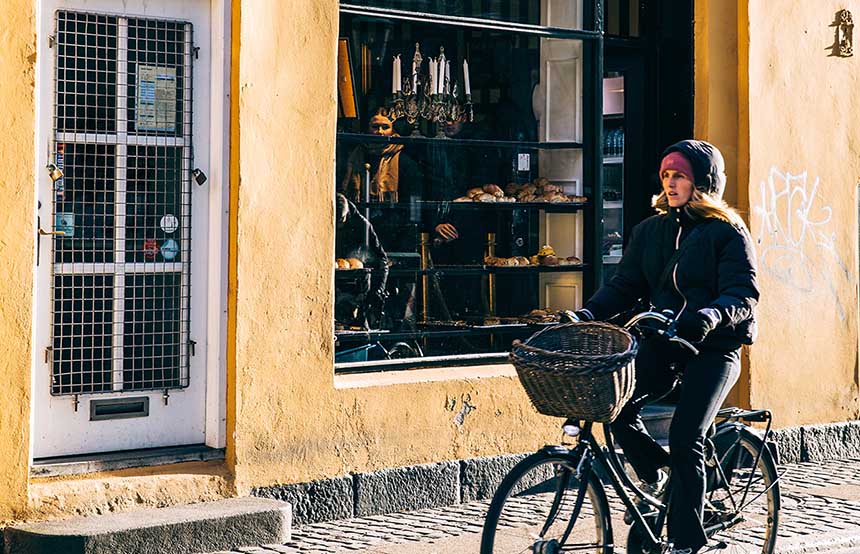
701 206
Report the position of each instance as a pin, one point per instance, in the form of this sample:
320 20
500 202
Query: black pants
707 379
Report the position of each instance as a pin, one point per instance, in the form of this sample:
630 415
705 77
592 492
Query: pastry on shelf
475 191
463 199
443 323
551 260
341 263
355 263
485 197
494 190
570 260
545 315
546 250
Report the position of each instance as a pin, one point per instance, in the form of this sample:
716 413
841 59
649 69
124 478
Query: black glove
695 326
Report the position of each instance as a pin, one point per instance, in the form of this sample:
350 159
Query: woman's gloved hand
568 316
695 326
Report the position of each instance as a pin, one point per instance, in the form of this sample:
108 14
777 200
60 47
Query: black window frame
592 37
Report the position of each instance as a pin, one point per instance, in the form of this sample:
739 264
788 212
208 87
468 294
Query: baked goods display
539 190
348 263
546 256
541 317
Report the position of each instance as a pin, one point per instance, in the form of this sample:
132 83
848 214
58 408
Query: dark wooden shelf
554 207
441 333
459 270
478 143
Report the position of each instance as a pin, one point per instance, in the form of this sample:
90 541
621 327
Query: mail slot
119 408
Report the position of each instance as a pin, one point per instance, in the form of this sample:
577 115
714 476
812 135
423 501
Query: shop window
622 18
464 177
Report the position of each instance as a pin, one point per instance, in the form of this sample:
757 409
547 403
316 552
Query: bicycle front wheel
743 494
533 510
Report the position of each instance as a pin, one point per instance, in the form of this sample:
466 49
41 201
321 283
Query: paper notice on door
156 98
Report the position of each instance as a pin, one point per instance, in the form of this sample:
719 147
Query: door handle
49 233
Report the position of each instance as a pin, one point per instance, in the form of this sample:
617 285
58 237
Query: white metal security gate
120 246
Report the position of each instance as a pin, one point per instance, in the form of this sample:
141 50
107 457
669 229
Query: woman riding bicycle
695 257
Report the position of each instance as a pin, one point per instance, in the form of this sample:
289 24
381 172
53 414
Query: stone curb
447 483
217 525
817 443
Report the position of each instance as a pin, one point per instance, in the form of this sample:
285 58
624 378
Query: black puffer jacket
717 270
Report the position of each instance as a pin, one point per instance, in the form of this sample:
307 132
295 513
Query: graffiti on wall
796 236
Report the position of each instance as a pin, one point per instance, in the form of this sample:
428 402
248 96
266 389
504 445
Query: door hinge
196 50
49 351
192 347
75 402
166 396
51 41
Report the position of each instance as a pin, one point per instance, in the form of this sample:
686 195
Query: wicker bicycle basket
580 370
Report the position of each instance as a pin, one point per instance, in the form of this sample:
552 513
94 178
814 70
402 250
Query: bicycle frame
592 453
607 458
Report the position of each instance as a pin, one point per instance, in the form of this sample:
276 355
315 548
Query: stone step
203 527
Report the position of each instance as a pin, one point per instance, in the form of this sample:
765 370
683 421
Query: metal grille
121 265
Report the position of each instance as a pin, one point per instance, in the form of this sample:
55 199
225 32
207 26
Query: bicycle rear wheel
533 507
742 495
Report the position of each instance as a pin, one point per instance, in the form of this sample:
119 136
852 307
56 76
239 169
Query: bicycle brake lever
672 337
686 344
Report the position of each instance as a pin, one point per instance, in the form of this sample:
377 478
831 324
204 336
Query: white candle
466 77
447 77
433 76
399 69
441 69
393 74
415 71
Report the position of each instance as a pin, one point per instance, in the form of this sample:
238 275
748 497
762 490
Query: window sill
112 461
427 375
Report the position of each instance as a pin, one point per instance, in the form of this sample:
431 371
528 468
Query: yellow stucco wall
804 171
717 117
291 423
17 127
782 106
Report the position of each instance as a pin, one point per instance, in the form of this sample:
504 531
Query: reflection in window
459 218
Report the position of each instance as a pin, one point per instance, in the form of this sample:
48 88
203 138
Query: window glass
460 195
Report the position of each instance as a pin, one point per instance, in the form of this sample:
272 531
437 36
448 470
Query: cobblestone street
820 511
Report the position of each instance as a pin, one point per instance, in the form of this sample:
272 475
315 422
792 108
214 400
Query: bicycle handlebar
666 318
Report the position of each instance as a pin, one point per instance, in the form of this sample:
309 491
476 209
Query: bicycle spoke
741 509
541 509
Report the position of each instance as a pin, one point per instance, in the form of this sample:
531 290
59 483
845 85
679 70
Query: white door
558 103
121 313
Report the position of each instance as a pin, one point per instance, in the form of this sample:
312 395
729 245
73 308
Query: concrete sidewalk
820 511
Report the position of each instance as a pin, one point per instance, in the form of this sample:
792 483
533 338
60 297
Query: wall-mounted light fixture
844 44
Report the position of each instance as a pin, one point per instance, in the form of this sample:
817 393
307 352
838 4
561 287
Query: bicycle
554 500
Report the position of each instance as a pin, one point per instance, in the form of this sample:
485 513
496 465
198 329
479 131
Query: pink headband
678 162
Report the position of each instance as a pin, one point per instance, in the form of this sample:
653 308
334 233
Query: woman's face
678 187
